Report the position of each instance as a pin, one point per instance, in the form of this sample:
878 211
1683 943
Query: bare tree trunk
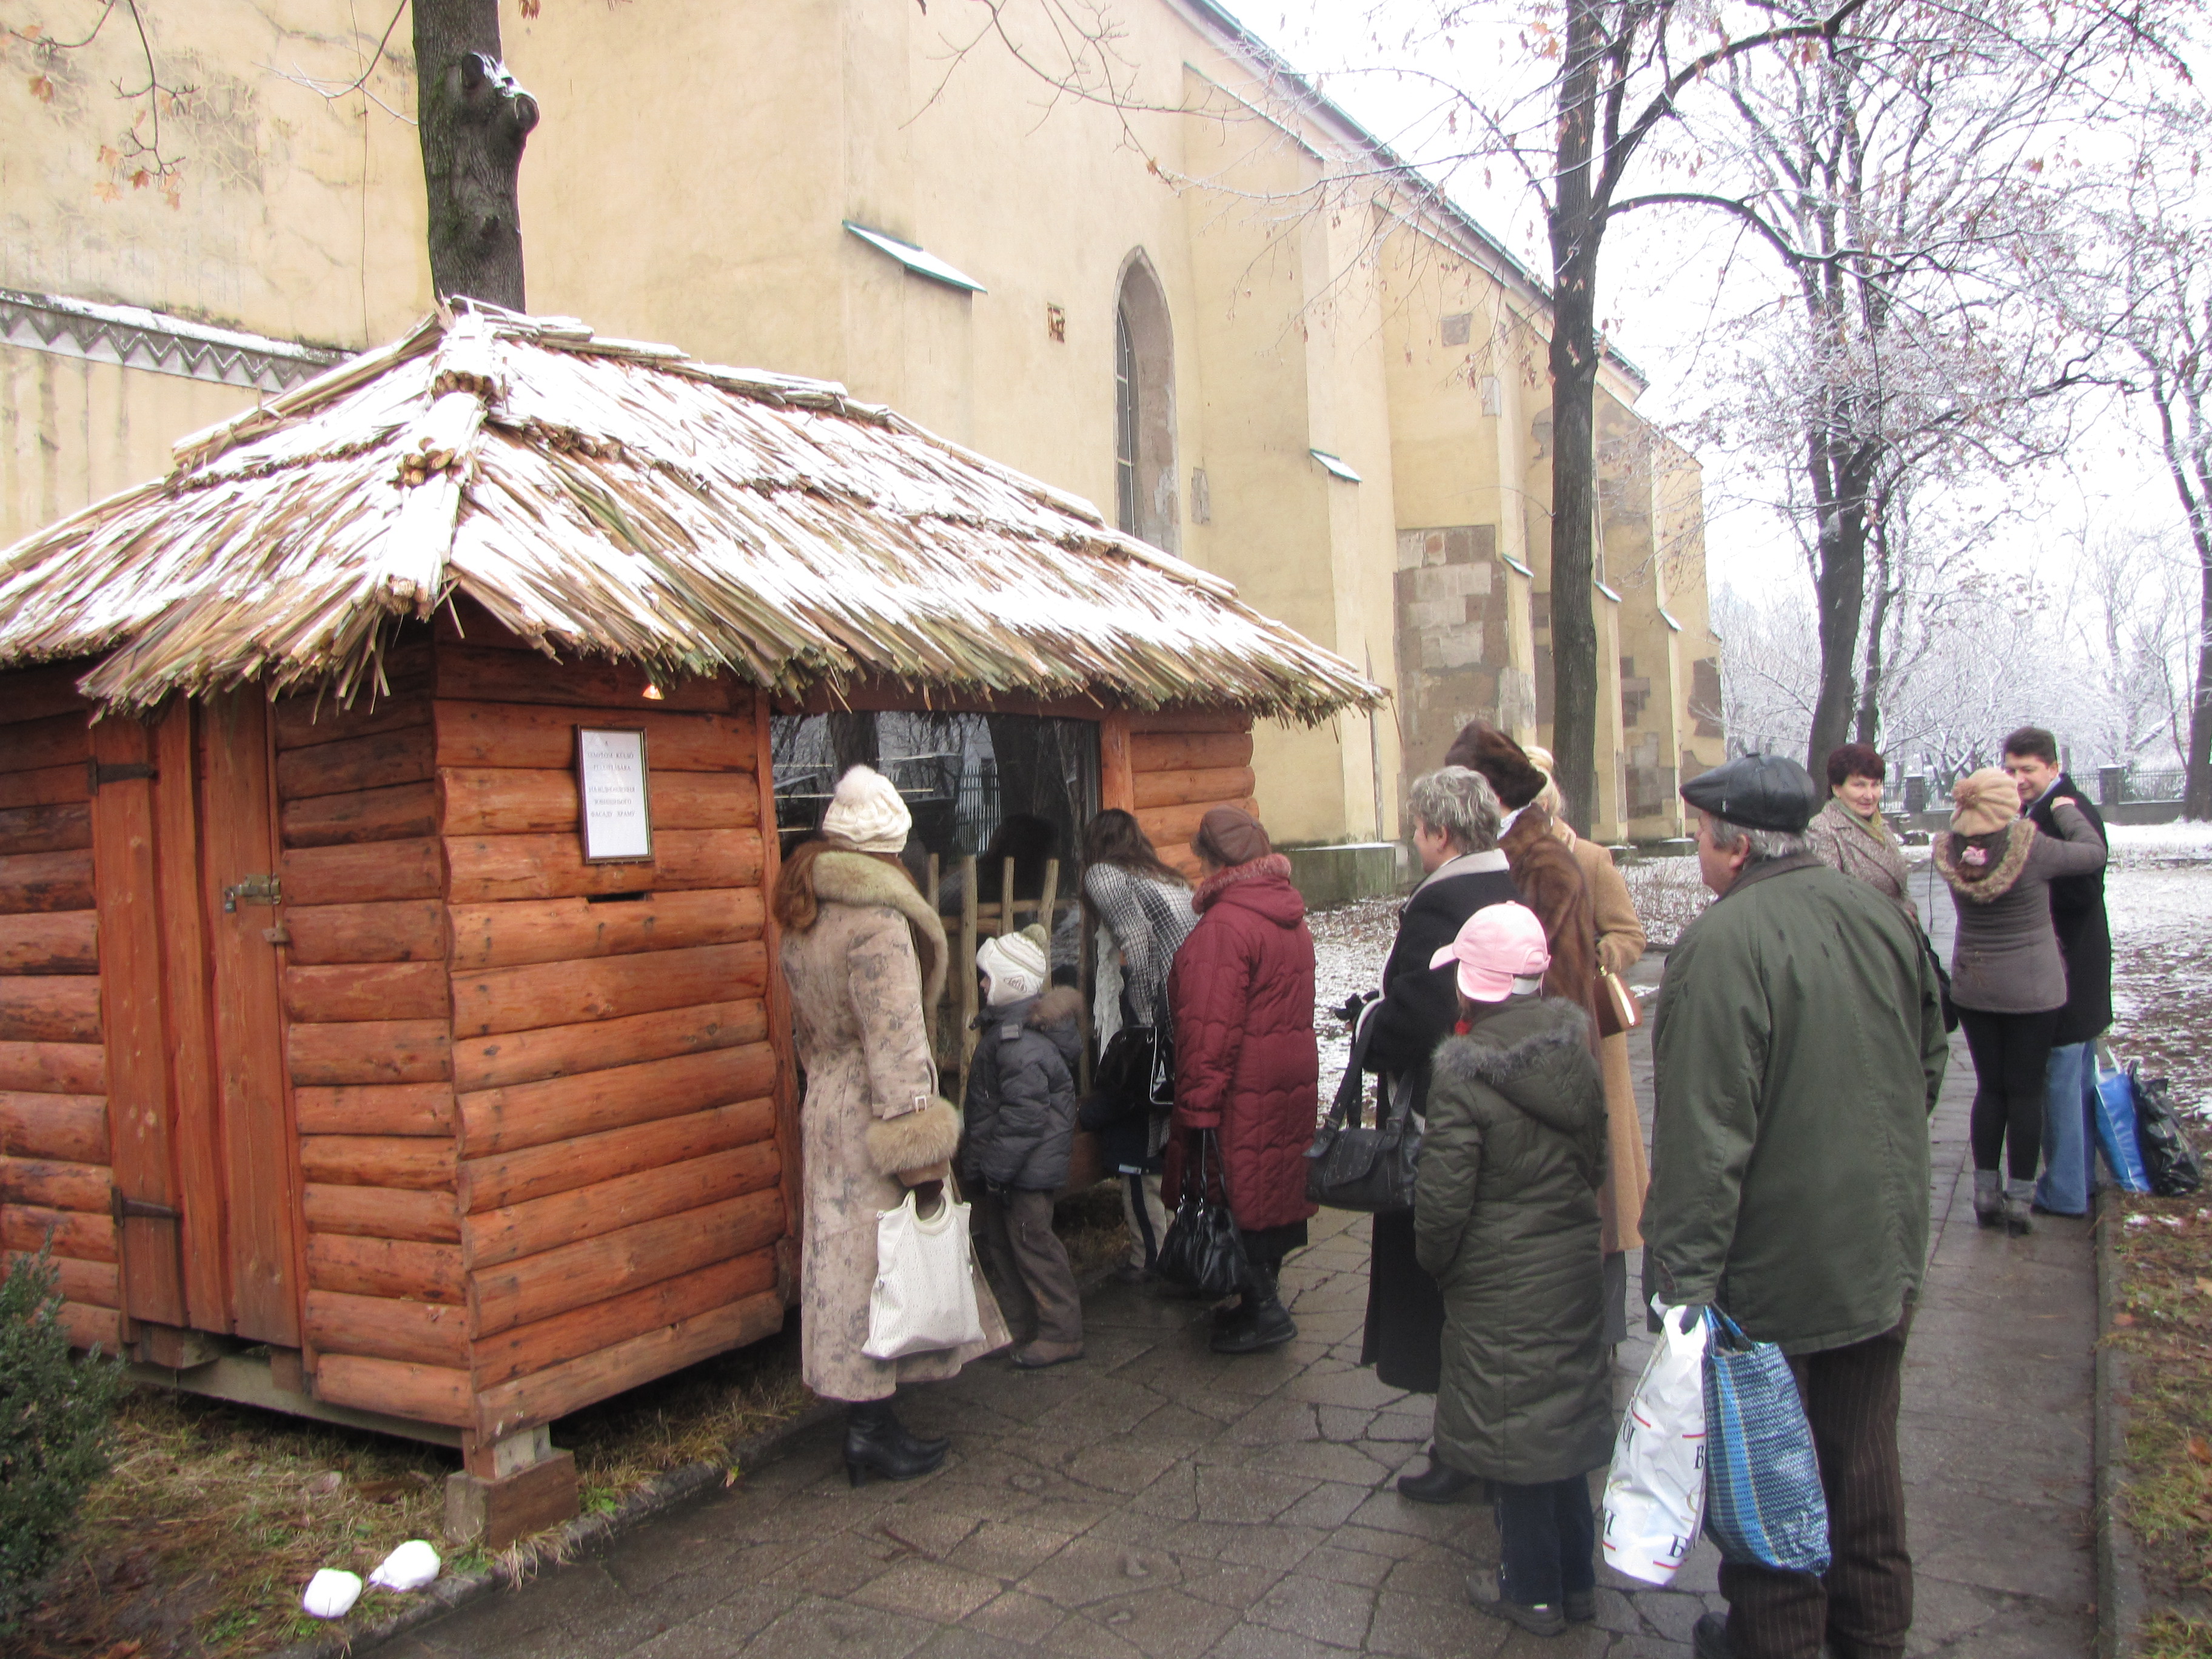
1575 228
2195 491
1839 588
1869 730
474 123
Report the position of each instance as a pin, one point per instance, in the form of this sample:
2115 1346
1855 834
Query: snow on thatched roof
603 496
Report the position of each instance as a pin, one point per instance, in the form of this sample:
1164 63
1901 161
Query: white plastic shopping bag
1655 1494
925 1294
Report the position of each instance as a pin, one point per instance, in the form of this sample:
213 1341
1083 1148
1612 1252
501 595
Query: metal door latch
254 890
121 1207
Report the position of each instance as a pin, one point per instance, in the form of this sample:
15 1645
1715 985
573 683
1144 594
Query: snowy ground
2159 896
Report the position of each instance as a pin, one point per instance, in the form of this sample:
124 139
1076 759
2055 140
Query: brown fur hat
1483 748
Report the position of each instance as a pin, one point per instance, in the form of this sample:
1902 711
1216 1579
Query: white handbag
925 1294
1655 1493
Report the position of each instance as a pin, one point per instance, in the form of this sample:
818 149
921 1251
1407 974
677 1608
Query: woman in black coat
1455 814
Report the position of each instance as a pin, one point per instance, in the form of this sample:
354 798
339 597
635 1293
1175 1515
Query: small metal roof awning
1667 617
1335 465
614 498
1512 564
919 261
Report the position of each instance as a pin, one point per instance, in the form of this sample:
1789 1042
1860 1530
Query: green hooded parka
1505 1216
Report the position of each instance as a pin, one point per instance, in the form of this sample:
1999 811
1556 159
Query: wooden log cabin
336 1075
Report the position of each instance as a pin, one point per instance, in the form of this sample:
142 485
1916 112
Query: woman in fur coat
865 958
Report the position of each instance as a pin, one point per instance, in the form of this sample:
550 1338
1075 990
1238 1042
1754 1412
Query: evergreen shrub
56 1419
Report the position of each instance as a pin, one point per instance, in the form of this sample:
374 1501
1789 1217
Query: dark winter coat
1798 1049
1419 1003
2085 936
1242 991
1505 1215
1020 1103
1405 1310
2005 958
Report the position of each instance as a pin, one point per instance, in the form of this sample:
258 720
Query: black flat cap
1759 792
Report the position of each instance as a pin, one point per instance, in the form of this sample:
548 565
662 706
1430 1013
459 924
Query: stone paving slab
1156 1501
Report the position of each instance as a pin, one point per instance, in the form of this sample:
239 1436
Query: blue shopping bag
2114 1111
1764 1504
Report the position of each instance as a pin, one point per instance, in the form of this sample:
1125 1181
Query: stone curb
2119 1579
662 1491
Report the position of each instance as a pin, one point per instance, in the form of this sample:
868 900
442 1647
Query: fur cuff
914 1140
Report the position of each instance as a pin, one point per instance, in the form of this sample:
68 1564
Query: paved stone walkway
1158 1502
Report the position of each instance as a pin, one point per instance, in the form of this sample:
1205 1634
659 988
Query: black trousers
2011 1054
1547 1539
1861 1606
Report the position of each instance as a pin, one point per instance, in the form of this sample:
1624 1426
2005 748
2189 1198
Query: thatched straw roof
601 496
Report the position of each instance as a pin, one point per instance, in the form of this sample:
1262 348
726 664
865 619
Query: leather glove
1353 1005
927 1194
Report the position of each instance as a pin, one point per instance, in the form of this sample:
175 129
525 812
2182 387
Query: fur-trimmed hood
860 878
2019 840
1536 1054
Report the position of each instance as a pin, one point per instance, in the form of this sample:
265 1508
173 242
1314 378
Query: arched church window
1145 482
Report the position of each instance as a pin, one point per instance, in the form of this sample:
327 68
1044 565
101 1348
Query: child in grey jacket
1019 1131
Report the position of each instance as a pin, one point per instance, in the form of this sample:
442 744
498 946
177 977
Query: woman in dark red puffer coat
1242 993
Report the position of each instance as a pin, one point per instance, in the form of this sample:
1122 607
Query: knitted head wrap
1985 801
867 811
1229 836
1018 964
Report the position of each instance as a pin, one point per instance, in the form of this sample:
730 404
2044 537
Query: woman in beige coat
1620 943
865 958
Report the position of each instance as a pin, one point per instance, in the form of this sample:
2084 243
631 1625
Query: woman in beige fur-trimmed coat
865 958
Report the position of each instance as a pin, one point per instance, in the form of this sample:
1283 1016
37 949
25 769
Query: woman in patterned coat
865 958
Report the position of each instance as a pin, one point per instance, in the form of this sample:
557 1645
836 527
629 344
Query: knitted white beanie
867 811
1016 963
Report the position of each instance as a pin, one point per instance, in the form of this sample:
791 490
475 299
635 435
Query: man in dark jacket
2085 939
1799 1047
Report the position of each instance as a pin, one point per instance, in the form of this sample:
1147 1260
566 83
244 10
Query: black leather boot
912 1442
1440 1483
1261 1324
875 1443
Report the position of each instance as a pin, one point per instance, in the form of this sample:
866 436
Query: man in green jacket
1799 1046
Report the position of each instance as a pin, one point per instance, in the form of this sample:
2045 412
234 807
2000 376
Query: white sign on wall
617 803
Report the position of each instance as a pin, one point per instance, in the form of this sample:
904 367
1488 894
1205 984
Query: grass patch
2164 1324
2170 1635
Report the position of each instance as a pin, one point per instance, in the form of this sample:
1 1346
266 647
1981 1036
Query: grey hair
1457 803
1765 844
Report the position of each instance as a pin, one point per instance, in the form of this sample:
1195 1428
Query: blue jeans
2069 1146
1547 1539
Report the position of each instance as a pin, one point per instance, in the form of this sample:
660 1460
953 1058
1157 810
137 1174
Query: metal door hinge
99 772
138 1208
254 890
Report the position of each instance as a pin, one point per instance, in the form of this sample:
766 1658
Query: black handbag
1351 1166
1942 986
1203 1250
1121 1087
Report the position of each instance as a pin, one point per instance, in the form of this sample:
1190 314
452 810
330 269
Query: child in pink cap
1505 1216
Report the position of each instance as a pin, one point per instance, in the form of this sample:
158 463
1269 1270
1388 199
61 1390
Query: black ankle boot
1262 1323
911 1443
1440 1483
875 1443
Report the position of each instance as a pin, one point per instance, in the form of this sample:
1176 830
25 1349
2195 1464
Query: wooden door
183 843
255 1147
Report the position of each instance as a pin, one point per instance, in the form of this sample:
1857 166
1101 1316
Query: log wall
616 1169
368 1044
55 1157
1181 763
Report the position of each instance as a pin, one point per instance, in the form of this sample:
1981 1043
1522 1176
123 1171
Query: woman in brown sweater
2007 978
